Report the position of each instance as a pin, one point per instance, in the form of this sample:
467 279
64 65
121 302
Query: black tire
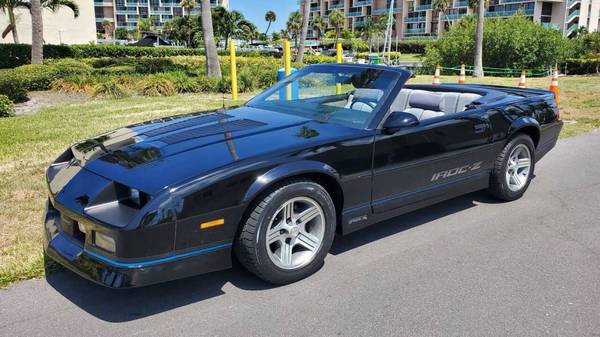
251 248
498 185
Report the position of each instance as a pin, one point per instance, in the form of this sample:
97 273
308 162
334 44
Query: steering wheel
370 104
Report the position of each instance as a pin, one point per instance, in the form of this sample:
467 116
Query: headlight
104 241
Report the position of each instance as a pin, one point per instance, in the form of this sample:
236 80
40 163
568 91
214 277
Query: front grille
70 227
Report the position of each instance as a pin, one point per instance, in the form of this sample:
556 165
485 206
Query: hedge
14 55
581 66
408 47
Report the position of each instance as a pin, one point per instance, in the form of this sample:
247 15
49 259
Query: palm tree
319 25
187 5
213 69
442 6
37 33
270 17
303 31
8 7
230 24
294 25
374 26
108 29
337 20
54 5
478 62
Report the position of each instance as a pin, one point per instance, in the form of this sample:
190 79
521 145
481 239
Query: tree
187 5
8 7
276 36
230 24
108 29
294 25
374 26
303 31
213 69
184 31
54 5
337 20
37 33
144 25
591 43
478 62
441 6
318 24
121 33
270 17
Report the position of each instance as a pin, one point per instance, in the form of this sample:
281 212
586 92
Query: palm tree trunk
213 69
304 31
37 33
13 23
478 63
268 26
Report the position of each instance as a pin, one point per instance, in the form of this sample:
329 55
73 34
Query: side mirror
398 120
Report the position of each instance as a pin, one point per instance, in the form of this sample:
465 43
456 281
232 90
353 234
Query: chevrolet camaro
331 149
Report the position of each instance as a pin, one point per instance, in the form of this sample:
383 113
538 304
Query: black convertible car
331 149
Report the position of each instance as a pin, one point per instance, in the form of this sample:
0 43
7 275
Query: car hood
155 155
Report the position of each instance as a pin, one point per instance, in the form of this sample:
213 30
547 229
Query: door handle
479 128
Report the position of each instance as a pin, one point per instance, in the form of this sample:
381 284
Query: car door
437 159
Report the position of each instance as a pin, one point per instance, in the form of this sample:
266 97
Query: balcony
496 14
414 30
514 1
336 6
573 3
414 19
126 11
103 3
385 11
133 19
572 28
423 7
573 15
452 17
360 3
161 12
551 25
352 14
136 3
315 8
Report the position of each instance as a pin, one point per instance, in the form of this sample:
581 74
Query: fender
530 123
288 170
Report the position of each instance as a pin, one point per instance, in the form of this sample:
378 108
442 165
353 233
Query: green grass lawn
29 143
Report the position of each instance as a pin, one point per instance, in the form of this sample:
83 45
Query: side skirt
361 217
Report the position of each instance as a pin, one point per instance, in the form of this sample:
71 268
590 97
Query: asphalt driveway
467 267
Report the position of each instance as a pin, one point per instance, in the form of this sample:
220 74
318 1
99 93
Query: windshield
335 94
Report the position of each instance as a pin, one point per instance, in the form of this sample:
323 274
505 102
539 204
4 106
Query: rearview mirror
398 120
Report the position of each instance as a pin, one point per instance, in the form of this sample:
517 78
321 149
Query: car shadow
131 304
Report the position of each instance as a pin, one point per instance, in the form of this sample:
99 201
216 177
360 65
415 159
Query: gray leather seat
364 99
428 104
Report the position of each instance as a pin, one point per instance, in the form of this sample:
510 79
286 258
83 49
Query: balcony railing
336 6
573 15
462 3
451 17
572 28
363 3
514 1
573 2
126 11
414 19
527 12
385 11
102 3
161 12
414 30
315 8
358 13
550 25
423 7
136 3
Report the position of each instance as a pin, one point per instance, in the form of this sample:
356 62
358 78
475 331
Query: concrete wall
59 27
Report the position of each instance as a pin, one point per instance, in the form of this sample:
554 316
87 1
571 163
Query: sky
254 11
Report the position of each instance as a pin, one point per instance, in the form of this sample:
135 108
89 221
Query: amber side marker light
213 223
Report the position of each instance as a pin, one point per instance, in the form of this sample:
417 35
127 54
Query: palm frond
54 5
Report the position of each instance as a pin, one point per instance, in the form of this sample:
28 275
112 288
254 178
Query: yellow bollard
287 66
338 59
234 88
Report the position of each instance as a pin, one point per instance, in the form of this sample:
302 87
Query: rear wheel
513 169
288 233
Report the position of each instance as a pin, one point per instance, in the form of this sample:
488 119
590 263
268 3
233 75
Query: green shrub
148 65
7 107
73 84
40 76
109 89
157 87
514 42
13 86
208 84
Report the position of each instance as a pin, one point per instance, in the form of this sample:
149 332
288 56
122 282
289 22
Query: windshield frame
398 78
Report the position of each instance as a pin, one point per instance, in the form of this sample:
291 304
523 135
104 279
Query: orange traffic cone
522 80
462 75
436 76
554 84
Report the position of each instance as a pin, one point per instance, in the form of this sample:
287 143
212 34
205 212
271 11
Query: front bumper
73 255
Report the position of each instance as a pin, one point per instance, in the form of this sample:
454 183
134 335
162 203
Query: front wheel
513 169
288 233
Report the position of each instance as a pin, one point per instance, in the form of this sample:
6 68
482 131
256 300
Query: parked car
332 149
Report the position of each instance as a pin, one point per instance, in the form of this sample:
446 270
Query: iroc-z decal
455 171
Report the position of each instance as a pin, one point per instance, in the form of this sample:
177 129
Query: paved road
468 267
